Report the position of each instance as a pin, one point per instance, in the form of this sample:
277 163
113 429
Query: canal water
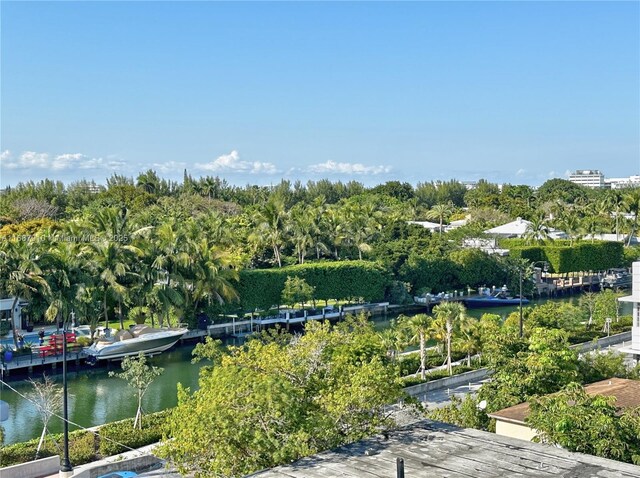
95 398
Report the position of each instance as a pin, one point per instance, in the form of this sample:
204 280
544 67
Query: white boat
139 338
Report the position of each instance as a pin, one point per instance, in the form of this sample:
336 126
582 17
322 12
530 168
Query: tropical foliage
278 398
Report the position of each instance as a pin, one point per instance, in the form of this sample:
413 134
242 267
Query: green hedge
82 449
85 446
112 434
262 288
582 256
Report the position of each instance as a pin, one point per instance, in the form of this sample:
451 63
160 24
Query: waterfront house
511 422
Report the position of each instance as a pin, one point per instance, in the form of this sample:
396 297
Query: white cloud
169 166
348 168
59 162
231 163
521 172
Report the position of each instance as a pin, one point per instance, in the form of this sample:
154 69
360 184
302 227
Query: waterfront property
438 450
511 421
634 299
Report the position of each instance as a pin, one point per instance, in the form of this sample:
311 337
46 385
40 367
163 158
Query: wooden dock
42 357
36 359
243 327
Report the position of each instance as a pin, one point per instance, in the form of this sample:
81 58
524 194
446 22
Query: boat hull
148 344
479 303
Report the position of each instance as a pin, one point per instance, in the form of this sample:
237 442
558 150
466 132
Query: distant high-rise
591 178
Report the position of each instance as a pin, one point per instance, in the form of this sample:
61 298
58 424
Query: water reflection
96 398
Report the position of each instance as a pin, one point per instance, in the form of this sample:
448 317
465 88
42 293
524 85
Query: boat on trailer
139 338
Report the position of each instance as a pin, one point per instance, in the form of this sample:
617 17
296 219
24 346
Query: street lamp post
544 265
521 320
66 470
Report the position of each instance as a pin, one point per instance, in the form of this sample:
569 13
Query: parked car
119 474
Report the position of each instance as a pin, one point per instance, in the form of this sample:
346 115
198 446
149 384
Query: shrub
26 451
114 435
83 341
82 447
85 446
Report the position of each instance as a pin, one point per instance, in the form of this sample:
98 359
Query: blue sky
514 92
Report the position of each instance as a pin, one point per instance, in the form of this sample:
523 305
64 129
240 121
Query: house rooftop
627 393
437 450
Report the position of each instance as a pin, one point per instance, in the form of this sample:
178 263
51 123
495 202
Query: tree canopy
278 398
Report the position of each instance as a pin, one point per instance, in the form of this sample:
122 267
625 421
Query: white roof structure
518 228
427 225
458 223
487 245
612 237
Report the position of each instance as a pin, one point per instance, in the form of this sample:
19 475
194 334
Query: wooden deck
437 450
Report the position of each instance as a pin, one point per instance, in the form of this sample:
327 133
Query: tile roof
627 393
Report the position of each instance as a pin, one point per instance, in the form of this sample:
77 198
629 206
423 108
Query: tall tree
111 261
586 423
271 222
274 400
420 328
20 275
452 313
537 231
440 212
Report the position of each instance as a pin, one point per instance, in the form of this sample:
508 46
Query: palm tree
64 271
420 328
570 223
20 275
212 274
452 314
394 338
317 211
537 231
361 223
148 181
440 212
334 225
302 229
271 224
468 340
168 250
111 263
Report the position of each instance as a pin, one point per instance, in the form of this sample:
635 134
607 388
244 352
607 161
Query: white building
518 228
620 183
432 226
5 311
591 178
634 298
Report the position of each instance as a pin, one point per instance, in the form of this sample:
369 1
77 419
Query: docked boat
500 298
139 338
616 279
